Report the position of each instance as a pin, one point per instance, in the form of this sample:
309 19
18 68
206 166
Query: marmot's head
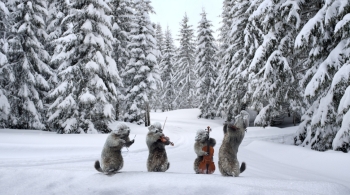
122 130
242 120
156 129
202 135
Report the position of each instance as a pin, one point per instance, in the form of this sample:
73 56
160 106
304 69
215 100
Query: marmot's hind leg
110 171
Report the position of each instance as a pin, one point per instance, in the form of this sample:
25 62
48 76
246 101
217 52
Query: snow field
37 162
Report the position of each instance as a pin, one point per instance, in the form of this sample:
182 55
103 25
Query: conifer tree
236 52
206 67
185 77
222 65
167 92
84 99
5 69
160 41
123 17
156 100
326 123
57 10
274 85
141 74
29 62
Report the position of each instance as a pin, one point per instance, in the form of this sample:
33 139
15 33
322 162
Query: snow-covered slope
37 162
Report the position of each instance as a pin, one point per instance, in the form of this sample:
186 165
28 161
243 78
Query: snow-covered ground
37 162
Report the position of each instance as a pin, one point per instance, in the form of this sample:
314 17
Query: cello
207 165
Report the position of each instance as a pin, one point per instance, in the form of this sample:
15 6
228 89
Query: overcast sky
171 12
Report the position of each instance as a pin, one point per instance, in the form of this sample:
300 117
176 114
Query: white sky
171 12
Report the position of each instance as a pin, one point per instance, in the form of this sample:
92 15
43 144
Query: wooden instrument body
207 165
165 139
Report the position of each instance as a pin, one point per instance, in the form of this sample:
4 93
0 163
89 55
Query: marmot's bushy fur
228 162
201 141
157 159
111 157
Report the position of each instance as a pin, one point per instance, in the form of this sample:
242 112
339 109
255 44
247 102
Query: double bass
207 165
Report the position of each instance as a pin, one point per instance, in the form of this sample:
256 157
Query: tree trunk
147 115
117 111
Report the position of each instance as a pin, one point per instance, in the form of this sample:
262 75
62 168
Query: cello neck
208 141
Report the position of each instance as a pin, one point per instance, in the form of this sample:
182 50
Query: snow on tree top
92 65
87 97
87 26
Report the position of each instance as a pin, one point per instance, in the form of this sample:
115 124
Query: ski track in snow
36 162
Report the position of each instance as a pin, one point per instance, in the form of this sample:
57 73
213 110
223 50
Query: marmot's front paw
128 144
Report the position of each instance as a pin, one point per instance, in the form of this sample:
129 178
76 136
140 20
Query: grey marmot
201 141
235 131
111 156
157 158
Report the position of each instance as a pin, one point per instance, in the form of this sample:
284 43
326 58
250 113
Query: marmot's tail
98 167
243 167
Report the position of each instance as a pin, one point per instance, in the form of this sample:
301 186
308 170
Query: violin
207 165
165 139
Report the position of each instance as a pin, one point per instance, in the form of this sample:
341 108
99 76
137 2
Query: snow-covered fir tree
185 77
88 79
123 17
29 62
238 45
206 67
224 30
160 41
167 92
141 75
57 10
273 82
5 69
123 13
156 97
326 123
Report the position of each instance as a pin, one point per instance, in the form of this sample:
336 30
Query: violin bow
127 148
164 123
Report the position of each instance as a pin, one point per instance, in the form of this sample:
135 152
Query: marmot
201 141
228 162
111 156
157 159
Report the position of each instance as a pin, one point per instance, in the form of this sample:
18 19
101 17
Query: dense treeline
75 66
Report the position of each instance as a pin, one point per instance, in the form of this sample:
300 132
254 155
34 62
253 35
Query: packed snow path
37 162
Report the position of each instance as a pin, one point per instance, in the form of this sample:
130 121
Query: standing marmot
228 162
111 156
157 159
201 141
